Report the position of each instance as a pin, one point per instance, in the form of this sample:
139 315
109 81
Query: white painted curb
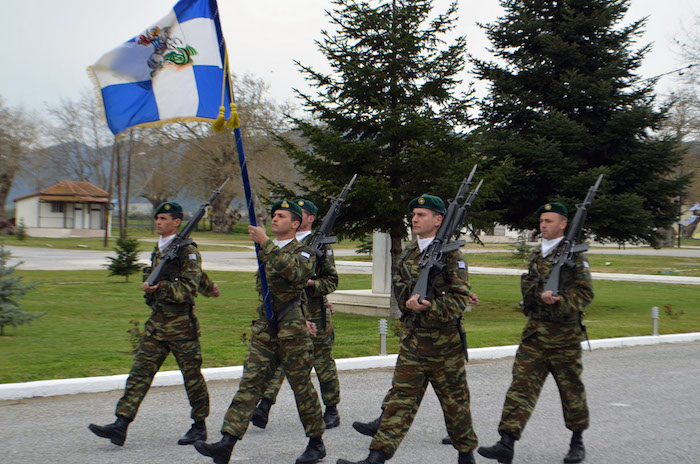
17 391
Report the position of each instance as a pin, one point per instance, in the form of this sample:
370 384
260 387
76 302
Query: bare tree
207 158
81 143
17 138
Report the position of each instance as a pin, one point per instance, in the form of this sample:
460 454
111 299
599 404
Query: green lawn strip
84 332
625 264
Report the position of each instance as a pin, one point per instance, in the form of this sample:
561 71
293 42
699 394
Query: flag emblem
167 50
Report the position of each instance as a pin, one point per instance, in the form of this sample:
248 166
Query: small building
67 209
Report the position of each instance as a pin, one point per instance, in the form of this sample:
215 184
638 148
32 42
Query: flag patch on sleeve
305 255
192 256
585 264
462 264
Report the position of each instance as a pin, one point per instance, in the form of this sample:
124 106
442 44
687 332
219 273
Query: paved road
62 259
59 259
644 403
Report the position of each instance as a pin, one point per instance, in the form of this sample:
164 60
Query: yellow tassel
234 121
218 125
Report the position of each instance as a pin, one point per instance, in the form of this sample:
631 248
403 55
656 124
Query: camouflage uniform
288 270
172 327
326 282
431 351
551 342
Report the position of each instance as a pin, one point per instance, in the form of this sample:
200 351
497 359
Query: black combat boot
116 432
466 458
447 440
261 413
220 451
368 428
375 457
502 450
577 453
198 432
314 452
331 417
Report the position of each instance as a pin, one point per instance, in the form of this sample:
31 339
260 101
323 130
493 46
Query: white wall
28 211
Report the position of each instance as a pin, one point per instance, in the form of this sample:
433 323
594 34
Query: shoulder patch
305 255
330 252
586 265
192 256
462 264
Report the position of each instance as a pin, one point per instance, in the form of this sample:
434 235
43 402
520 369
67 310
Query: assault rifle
322 236
566 253
433 259
181 240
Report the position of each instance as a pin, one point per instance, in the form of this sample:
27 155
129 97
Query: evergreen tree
565 105
11 289
126 262
388 112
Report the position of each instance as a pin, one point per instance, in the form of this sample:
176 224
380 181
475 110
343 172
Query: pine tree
11 289
565 105
388 111
126 262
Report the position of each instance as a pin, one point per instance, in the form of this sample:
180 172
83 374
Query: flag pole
269 313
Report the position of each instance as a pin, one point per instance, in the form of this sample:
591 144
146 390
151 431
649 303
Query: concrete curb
43 388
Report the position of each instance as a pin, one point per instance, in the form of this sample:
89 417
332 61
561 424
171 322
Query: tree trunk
5 186
222 218
689 231
394 311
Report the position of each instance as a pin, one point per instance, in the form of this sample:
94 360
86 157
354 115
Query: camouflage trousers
263 359
533 363
326 372
179 335
434 356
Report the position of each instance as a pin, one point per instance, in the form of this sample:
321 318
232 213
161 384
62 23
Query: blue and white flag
175 70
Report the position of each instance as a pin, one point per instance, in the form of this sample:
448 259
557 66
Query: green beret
307 205
429 202
289 206
169 207
554 207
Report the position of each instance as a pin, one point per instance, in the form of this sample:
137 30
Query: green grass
84 332
626 264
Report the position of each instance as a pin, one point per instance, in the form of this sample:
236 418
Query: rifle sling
280 315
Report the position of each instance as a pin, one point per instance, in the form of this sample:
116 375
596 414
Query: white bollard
655 320
382 337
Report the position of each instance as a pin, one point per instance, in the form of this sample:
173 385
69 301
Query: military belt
272 325
172 309
417 324
549 318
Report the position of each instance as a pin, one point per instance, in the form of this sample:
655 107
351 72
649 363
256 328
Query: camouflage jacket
450 289
182 276
326 282
556 324
288 270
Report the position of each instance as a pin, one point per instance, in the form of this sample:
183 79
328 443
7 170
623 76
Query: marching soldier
551 343
322 284
172 327
431 349
288 266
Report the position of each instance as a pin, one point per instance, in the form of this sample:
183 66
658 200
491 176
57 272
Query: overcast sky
48 44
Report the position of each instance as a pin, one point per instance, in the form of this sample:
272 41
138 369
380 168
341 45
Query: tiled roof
71 191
